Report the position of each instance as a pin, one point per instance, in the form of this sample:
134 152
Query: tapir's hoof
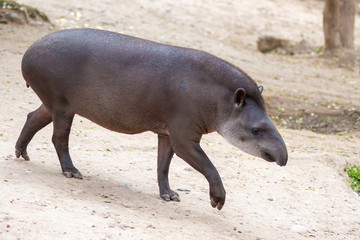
73 174
171 196
23 154
215 204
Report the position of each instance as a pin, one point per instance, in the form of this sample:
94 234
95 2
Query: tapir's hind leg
165 154
36 120
62 127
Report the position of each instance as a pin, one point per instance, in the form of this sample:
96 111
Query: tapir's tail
27 85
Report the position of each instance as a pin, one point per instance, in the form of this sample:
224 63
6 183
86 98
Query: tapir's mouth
268 157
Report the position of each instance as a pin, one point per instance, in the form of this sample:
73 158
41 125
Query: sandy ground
118 197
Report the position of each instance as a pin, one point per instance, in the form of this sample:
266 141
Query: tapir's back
92 57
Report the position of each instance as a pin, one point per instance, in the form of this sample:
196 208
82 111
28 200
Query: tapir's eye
255 131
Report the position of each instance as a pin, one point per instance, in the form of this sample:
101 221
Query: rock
268 43
299 229
282 46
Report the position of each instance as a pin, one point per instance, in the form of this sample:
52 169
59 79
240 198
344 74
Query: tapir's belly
118 114
120 106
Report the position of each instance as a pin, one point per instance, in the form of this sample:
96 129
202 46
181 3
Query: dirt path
118 198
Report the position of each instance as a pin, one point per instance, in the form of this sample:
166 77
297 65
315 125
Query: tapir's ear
239 97
261 88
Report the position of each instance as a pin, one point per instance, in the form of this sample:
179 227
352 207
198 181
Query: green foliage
354 175
319 50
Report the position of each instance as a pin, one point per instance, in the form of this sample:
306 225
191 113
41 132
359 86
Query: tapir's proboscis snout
273 149
277 152
131 85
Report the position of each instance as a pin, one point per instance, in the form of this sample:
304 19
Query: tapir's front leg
191 152
165 154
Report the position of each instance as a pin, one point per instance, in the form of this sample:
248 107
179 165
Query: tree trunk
347 22
339 23
331 24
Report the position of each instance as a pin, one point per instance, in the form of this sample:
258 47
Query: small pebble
79 191
299 229
272 198
183 189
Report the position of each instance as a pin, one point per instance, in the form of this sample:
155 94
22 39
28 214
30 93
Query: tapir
131 85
